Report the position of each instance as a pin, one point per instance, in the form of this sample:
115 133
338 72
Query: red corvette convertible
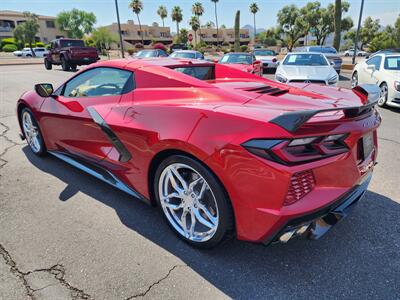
222 152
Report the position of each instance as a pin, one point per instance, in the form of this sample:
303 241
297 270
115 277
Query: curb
347 67
20 63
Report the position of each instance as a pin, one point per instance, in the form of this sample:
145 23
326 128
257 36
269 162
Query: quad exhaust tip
284 238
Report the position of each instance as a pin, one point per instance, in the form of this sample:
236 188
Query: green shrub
27 45
48 46
244 48
8 41
39 44
130 51
9 48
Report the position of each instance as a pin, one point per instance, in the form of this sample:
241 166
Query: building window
138 33
214 36
50 24
20 22
45 40
124 32
6 26
163 34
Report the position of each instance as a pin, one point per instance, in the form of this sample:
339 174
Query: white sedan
383 70
306 67
26 52
350 52
267 58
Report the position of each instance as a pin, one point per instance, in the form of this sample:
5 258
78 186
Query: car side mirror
216 61
257 62
332 63
371 67
44 89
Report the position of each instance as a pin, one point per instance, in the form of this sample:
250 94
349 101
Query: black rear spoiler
291 121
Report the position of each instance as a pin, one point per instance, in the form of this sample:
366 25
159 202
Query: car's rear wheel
384 95
73 68
32 132
48 65
64 64
354 79
193 201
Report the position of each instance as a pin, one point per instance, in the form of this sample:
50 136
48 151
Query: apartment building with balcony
209 35
131 33
48 28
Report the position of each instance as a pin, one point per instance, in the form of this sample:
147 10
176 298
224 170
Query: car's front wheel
384 95
64 64
47 64
32 132
354 79
193 201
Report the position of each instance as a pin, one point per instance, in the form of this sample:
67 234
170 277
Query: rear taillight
300 185
300 150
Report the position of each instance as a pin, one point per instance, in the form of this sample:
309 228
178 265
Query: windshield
305 60
150 53
323 50
264 53
72 43
392 63
237 59
184 54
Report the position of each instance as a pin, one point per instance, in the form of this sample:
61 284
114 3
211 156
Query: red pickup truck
69 53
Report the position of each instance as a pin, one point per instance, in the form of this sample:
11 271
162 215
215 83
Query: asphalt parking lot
65 235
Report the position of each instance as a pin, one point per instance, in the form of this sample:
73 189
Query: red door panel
68 126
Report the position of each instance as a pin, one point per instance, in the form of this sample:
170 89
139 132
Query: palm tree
254 9
162 12
177 17
137 7
216 18
194 23
198 10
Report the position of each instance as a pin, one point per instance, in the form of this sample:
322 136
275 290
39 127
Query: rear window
72 43
323 50
237 59
264 53
183 54
147 53
199 72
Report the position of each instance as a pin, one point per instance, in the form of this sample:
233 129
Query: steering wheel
108 85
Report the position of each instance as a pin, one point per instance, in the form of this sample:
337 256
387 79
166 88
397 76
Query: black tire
347 54
29 55
48 65
354 79
64 64
73 67
225 214
41 150
384 95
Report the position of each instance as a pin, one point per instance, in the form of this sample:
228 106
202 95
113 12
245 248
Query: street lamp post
119 30
358 32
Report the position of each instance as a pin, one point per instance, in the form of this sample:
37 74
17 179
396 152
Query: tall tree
76 22
183 36
290 25
177 17
163 13
338 24
137 7
209 24
237 31
26 32
254 9
198 10
216 19
311 15
194 23
103 38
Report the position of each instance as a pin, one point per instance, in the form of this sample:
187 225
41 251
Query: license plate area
367 145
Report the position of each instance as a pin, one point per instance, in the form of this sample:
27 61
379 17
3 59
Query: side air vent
266 89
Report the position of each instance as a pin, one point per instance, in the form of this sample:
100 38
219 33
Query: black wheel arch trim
124 154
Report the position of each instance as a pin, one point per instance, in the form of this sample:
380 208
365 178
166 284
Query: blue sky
385 10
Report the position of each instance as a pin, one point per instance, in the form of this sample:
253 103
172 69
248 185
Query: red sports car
222 152
245 62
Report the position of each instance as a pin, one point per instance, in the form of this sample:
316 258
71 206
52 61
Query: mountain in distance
251 29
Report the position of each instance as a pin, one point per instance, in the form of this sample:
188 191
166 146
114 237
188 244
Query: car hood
239 66
307 72
268 58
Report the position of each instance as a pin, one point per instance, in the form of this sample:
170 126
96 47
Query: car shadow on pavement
359 258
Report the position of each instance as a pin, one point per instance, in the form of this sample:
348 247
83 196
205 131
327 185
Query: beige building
131 33
209 35
48 28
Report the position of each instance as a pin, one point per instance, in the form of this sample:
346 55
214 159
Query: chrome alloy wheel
384 94
188 202
354 80
31 132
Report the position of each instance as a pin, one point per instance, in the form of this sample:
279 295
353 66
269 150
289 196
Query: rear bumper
81 62
316 224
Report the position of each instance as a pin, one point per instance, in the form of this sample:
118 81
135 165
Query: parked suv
329 52
70 53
